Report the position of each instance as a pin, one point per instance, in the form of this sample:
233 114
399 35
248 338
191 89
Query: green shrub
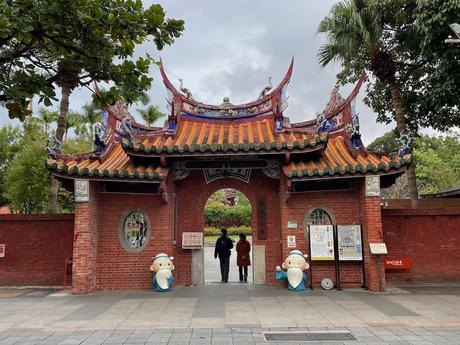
234 230
227 216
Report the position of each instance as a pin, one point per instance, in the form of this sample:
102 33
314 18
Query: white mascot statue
293 270
162 266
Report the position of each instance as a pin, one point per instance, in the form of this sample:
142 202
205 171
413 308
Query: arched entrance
262 193
230 209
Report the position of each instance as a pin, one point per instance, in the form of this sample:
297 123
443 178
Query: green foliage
403 38
227 216
72 43
232 231
150 114
27 179
438 163
387 143
218 215
24 179
9 146
437 159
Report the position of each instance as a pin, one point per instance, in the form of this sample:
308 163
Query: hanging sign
192 240
350 242
322 242
291 242
292 224
397 263
81 190
2 250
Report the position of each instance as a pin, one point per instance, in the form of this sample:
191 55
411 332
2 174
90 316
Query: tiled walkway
227 314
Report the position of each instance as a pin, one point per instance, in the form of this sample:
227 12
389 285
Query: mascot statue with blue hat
162 266
293 270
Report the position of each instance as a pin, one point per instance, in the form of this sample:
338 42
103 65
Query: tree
438 163
9 146
150 114
47 117
73 43
27 179
401 42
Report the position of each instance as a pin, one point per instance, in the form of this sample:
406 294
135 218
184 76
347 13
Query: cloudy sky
230 48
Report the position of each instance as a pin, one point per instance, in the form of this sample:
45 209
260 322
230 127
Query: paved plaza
228 314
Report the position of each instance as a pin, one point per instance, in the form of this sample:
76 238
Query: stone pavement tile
205 322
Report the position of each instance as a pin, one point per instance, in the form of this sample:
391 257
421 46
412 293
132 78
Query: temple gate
144 186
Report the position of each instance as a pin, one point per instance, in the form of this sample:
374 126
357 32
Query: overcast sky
230 48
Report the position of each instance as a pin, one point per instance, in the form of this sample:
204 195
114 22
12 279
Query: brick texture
430 237
36 248
342 206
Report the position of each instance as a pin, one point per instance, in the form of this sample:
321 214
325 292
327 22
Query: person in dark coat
222 249
243 247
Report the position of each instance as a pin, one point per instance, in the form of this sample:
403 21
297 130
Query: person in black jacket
223 246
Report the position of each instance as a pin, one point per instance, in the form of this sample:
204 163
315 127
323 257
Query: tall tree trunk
60 130
401 126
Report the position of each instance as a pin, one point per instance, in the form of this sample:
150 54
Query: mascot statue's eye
289 262
160 264
169 264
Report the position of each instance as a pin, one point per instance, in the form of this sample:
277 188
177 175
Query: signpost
378 249
350 243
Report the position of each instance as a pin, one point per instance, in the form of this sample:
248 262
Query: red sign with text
2 250
396 263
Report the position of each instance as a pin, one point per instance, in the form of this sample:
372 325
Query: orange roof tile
222 136
117 164
338 160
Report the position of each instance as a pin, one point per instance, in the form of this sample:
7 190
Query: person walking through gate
222 249
243 247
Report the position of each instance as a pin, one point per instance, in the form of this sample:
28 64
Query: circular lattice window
134 232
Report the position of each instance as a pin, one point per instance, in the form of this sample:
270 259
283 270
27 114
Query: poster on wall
349 242
291 243
322 242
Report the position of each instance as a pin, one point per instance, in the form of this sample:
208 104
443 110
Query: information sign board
350 243
192 240
292 224
322 242
397 263
2 250
378 248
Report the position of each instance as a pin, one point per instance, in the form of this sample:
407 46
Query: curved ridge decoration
181 104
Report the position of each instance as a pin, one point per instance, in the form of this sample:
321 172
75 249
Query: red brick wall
342 206
431 238
116 267
36 248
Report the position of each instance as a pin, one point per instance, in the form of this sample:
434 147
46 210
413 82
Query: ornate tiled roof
337 159
224 136
326 147
116 164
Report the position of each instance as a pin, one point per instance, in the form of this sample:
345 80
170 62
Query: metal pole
379 275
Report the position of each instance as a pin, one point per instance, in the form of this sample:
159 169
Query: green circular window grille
319 217
135 231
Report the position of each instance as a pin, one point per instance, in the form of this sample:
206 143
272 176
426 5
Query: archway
226 208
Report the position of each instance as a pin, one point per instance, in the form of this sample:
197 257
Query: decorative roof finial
186 91
266 89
